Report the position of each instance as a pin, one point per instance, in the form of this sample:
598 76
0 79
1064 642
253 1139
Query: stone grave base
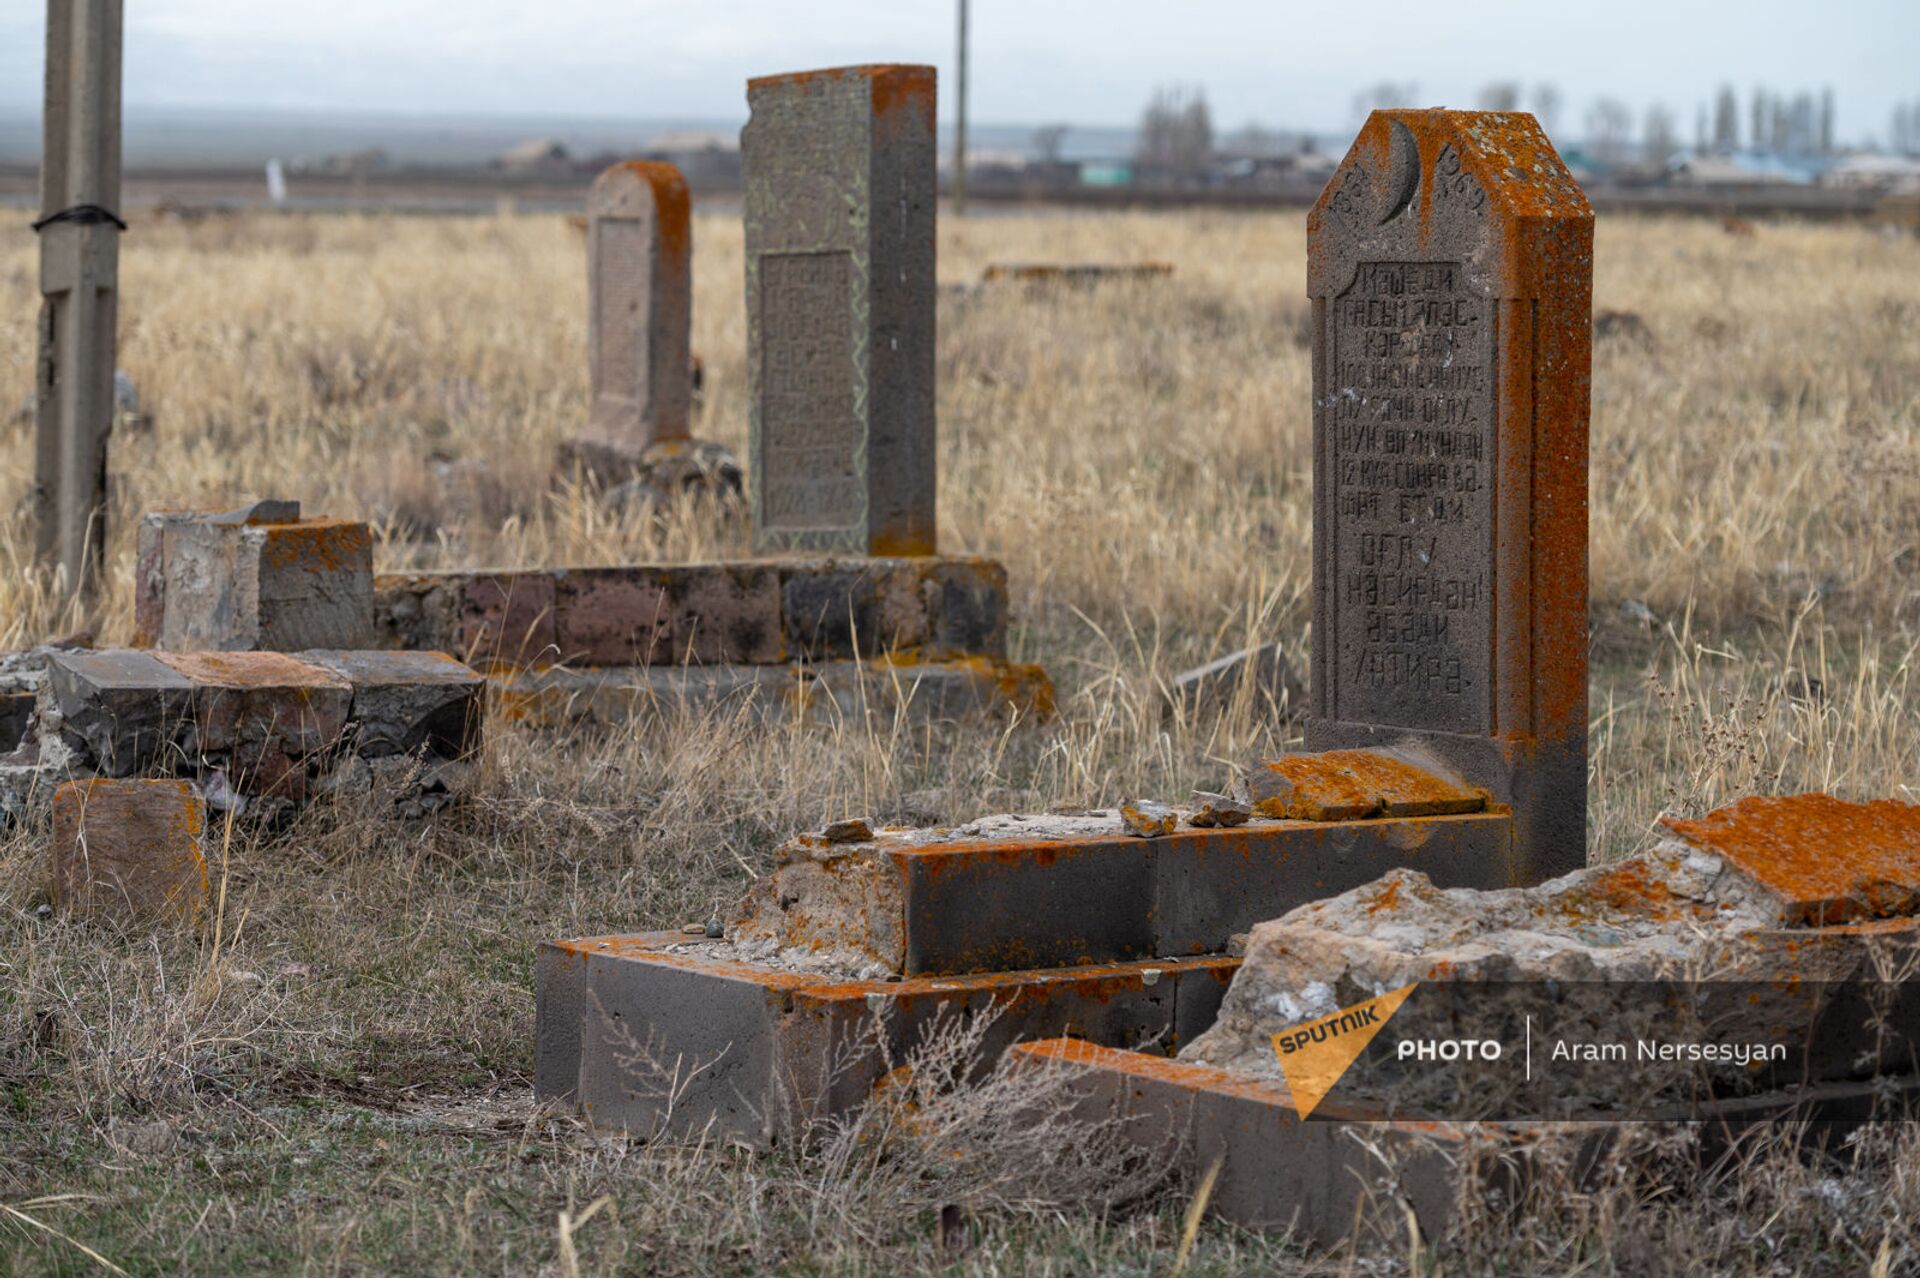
1008 892
846 690
666 1034
1348 1170
749 612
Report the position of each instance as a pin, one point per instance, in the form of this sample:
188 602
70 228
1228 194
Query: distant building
1893 174
1740 169
539 157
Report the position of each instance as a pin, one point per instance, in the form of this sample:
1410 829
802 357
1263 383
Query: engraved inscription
1410 349
809 420
622 280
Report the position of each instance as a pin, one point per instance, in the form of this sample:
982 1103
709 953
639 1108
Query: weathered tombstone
840 299
1450 266
640 306
79 229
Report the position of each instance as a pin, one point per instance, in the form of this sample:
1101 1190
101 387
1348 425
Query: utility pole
960 125
79 229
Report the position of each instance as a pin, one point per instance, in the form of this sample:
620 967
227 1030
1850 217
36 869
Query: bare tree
1499 95
1546 105
1658 137
1762 120
1826 121
1609 128
1176 134
1726 120
1048 139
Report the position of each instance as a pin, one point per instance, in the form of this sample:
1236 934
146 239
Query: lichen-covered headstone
840 298
1450 264
640 306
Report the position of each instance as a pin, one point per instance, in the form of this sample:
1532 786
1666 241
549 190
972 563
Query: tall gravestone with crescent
1450 266
840 309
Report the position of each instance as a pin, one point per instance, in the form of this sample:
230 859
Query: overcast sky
1290 63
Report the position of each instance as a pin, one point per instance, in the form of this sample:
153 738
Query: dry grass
339 1085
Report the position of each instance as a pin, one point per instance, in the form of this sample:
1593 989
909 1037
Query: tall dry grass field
336 1081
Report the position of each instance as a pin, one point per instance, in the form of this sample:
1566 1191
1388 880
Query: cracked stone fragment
1218 810
1146 819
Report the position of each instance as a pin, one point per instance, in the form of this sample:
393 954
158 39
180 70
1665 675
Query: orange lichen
1343 785
1828 861
318 545
249 670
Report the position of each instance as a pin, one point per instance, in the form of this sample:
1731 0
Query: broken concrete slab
740 612
1823 860
1031 891
1685 911
263 718
129 850
405 702
130 711
657 1033
1348 785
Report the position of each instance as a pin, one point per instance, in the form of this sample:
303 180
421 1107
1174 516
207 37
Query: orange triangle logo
1314 1054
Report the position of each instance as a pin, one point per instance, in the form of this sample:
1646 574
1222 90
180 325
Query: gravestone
1450 264
840 295
640 306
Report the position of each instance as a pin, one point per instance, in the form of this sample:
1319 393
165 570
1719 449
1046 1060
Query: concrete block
404 702
130 710
1208 889
937 607
1277 1171
245 585
1018 892
726 613
659 1033
507 619
265 714
129 850
612 695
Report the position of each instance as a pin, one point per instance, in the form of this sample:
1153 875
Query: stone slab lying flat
1277 1171
1823 860
1685 911
1347 785
660 1033
933 690
746 612
1020 892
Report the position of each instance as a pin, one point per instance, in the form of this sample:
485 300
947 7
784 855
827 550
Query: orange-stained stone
1352 785
129 849
1829 861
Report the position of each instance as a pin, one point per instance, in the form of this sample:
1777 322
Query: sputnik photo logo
1315 1054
